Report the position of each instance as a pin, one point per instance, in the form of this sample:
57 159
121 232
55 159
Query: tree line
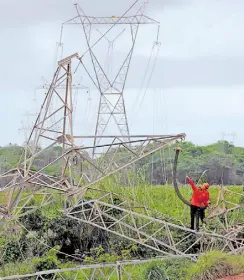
221 163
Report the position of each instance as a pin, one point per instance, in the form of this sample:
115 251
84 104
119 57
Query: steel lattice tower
111 104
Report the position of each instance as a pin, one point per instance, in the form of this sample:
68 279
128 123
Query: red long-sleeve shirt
200 198
205 198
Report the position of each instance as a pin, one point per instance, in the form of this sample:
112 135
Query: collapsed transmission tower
75 169
111 89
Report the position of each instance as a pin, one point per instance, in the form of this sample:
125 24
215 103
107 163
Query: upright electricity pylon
111 89
232 135
26 125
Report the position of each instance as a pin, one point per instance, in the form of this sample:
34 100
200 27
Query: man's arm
206 200
190 182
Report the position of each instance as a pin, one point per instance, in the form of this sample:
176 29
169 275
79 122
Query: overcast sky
197 84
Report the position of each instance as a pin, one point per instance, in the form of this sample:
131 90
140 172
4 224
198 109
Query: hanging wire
153 126
149 80
87 106
148 198
75 102
155 44
59 48
165 127
144 79
163 157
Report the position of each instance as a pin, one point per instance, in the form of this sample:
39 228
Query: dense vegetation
45 239
224 162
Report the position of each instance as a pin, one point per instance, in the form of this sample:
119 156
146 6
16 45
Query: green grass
162 199
159 198
210 266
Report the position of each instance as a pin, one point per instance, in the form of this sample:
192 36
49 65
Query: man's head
205 186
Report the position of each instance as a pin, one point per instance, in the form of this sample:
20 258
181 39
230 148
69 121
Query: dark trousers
202 214
196 213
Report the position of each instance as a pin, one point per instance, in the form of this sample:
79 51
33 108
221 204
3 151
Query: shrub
214 265
12 251
50 261
47 263
33 221
155 272
169 269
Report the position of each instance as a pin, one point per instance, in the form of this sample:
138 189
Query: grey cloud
202 72
199 71
25 12
170 3
107 7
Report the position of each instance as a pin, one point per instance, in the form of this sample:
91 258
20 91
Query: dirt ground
240 277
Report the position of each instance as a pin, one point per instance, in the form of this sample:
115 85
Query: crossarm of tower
120 154
25 185
138 19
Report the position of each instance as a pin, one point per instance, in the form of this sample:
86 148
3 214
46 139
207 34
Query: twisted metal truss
225 212
76 169
79 172
143 226
119 270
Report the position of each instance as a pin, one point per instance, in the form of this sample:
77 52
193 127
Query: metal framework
226 211
119 270
144 227
111 89
78 170
76 161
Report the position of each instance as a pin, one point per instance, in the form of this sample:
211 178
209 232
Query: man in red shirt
199 202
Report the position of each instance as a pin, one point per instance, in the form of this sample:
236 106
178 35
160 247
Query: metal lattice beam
121 217
127 20
94 271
